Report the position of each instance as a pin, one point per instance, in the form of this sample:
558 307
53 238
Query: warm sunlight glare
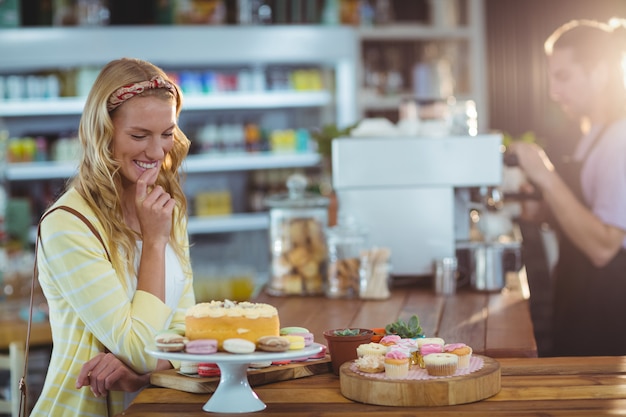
616 22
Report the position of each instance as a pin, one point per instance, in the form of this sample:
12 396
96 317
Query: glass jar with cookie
347 243
298 251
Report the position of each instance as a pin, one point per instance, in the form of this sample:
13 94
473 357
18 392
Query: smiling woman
105 310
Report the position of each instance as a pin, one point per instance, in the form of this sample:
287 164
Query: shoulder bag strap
22 384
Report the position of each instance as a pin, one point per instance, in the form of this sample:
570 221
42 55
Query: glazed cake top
232 309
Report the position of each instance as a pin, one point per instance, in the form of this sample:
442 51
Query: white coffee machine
413 193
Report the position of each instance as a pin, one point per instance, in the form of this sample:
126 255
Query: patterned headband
131 90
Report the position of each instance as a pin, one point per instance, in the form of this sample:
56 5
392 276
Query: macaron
188 368
273 343
298 331
295 342
281 362
169 341
293 329
261 364
201 346
240 346
208 369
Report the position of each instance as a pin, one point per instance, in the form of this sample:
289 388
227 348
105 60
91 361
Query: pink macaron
208 369
201 346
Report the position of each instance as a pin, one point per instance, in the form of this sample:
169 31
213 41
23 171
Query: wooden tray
476 386
275 373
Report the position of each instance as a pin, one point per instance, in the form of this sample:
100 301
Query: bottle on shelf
383 12
252 134
257 190
331 12
208 138
261 12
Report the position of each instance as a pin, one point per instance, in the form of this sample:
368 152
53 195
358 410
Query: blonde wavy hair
98 179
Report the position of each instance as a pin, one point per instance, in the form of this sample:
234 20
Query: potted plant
342 344
410 329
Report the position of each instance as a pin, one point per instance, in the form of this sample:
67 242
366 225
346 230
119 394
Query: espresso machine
414 195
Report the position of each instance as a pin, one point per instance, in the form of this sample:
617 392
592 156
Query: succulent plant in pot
342 344
349 332
410 329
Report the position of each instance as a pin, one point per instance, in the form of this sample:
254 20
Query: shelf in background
245 161
387 103
240 222
28 171
262 100
413 31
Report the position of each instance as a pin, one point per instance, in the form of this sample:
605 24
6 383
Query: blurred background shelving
255 71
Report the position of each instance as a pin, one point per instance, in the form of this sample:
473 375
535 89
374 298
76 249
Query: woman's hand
154 208
105 372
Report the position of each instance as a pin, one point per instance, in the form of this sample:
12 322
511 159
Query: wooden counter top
13 327
494 324
565 387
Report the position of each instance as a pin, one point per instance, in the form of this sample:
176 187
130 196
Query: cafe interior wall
519 103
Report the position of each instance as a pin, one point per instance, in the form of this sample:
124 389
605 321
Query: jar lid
347 227
296 197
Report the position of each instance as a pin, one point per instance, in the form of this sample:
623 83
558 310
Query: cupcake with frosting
369 349
410 346
441 364
461 350
426 350
396 364
370 364
390 339
430 340
405 350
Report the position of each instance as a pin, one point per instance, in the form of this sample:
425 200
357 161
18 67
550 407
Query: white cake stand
233 393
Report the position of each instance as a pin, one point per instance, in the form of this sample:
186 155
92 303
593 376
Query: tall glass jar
347 243
299 255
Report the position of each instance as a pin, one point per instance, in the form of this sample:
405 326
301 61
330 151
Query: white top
174 288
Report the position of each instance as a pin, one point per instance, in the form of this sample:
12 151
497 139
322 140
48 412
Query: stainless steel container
487 263
445 279
487 273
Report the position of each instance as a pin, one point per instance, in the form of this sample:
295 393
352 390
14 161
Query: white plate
233 393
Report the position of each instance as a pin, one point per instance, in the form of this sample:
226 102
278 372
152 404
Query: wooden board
473 387
202 385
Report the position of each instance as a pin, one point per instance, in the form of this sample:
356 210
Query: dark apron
589 302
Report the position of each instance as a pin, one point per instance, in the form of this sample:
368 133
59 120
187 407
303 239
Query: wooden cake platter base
472 387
